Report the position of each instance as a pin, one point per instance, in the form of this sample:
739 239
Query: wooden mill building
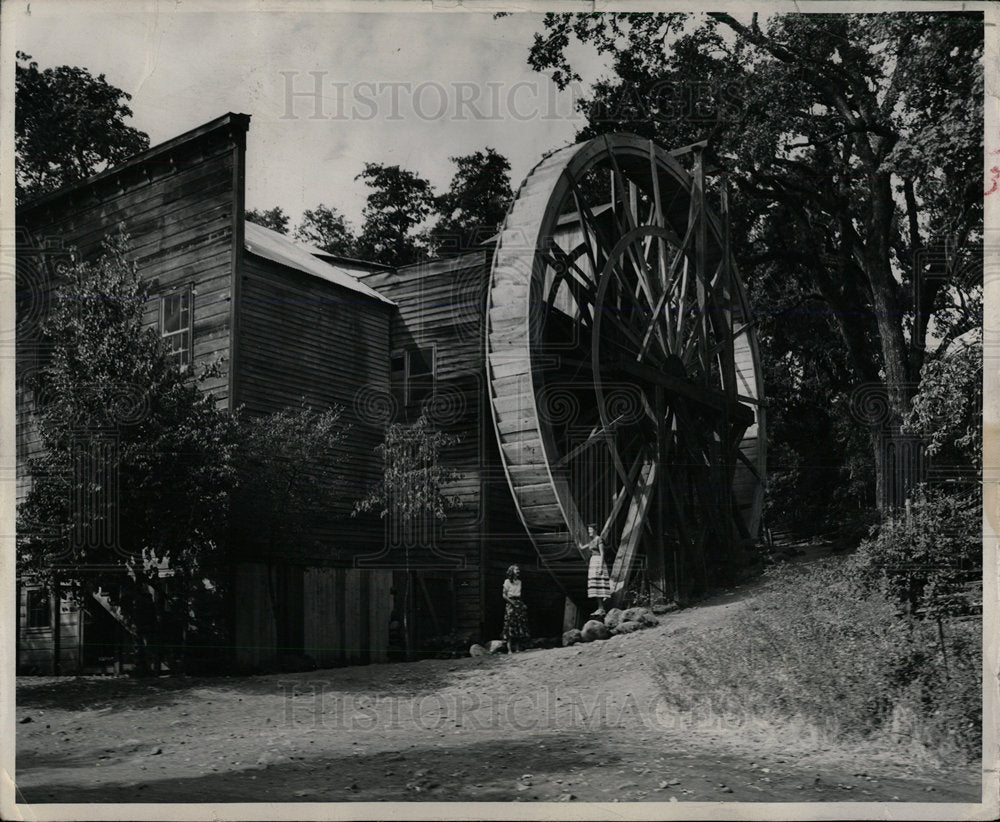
287 324
450 339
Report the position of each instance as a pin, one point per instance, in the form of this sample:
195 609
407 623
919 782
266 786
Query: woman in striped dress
598 581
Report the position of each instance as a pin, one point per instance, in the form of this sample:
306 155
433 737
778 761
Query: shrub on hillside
940 704
816 648
924 557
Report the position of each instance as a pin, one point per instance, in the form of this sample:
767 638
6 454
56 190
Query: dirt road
586 723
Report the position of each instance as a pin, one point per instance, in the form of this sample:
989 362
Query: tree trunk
875 438
897 379
888 313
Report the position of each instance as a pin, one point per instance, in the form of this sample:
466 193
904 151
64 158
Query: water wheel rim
515 343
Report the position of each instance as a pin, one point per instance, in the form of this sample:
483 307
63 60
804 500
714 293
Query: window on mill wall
412 372
176 323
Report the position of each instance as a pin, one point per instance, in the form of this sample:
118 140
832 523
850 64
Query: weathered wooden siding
255 629
181 203
441 303
303 339
37 645
344 616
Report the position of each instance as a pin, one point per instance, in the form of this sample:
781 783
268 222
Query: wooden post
571 615
656 559
409 613
701 275
55 606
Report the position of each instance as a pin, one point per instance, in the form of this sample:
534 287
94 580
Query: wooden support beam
702 395
638 511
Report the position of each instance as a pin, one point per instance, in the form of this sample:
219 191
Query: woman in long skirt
598 581
515 619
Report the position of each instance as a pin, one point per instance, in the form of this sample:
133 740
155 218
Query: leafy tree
326 228
926 558
411 494
399 202
68 125
948 409
855 145
130 494
474 207
273 218
414 476
290 472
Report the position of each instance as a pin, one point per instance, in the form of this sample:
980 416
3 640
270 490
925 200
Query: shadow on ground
81 693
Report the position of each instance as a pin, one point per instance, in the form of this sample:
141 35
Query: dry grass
818 657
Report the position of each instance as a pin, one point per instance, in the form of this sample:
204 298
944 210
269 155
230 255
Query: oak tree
68 125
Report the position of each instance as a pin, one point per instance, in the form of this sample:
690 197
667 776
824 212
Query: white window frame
184 356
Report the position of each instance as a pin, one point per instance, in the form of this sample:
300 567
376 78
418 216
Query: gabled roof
278 248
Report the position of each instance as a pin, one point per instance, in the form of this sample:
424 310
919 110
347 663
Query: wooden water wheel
623 367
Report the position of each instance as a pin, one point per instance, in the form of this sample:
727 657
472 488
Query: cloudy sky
410 89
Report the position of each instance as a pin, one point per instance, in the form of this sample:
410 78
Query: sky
327 91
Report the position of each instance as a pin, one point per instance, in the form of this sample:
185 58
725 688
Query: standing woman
598 581
515 619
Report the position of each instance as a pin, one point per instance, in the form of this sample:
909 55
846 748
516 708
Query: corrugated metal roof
280 249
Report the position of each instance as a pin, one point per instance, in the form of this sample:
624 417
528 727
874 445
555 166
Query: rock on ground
662 607
572 636
635 614
594 629
613 617
626 627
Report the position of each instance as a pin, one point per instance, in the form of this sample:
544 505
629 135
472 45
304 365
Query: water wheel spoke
624 494
730 337
658 309
585 280
581 291
654 175
681 306
598 434
614 317
638 261
693 343
635 521
643 280
591 226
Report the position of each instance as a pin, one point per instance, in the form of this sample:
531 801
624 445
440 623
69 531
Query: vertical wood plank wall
441 303
305 339
37 644
345 616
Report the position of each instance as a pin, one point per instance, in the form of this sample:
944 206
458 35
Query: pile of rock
616 621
